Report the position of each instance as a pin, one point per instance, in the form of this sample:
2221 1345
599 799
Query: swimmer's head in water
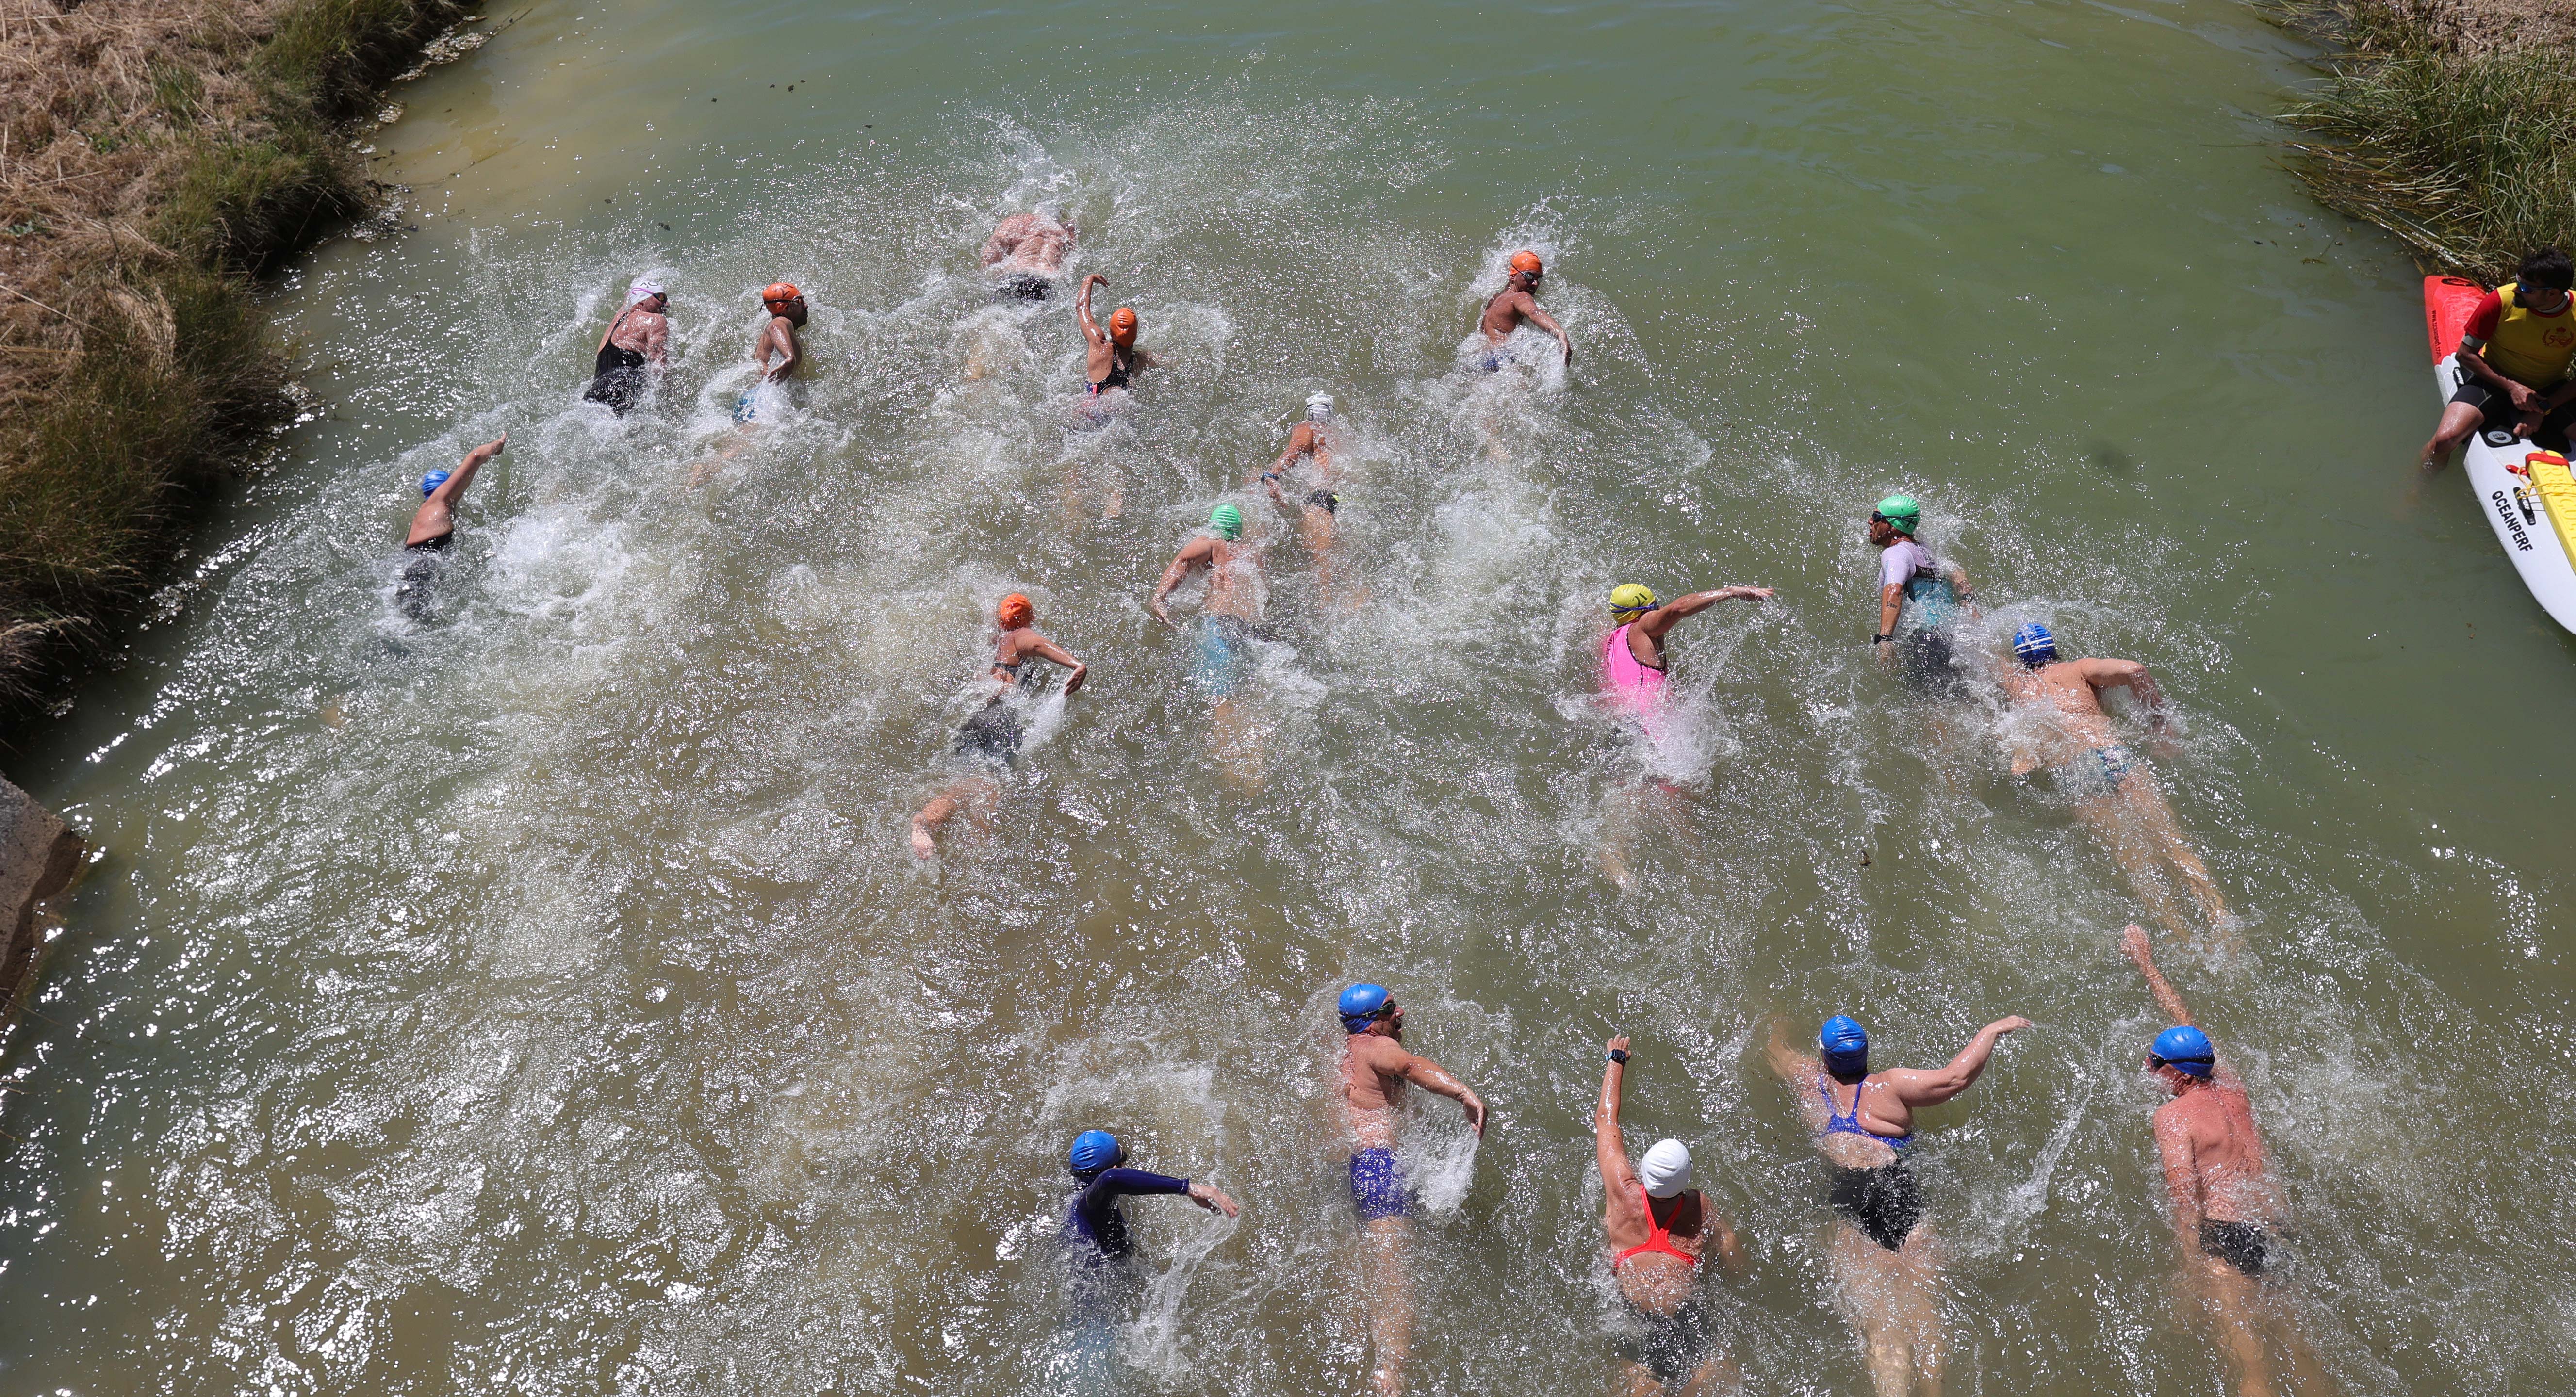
1898 512
2034 646
1015 612
1362 1006
1665 1169
644 290
1319 406
1227 521
1630 600
1526 263
2185 1049
1122 327
1093 1151
1845 1046
429 483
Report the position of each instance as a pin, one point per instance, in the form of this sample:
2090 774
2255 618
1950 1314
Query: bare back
1028 242
777 341
639 331
1506 313
2213 1154
2071 697
1373 1082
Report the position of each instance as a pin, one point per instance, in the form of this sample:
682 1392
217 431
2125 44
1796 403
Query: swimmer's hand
1214 1200
1477 1115
1091 277
2133 944
2023 766
2010 1023
1748 593
1164 616
1073 681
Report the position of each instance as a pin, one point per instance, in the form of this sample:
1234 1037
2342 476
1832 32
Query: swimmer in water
1375 1068
1308 441
2227 1211
1660 1232
433 528
785 307
1886 1267
989 742
1229 618
1096 1241
1026 255
1632 655
1113 359
2114 790
1514 306
634 351
1918 594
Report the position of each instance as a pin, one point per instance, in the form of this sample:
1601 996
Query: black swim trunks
1023 286
2500 416
422 563
1885 1202
617 379
2243 1245
1326 501
991 737
1670 1346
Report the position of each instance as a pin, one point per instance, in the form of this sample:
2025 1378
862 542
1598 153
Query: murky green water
541 999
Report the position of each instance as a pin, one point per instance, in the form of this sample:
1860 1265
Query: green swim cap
1227 521
1632 596
1901 511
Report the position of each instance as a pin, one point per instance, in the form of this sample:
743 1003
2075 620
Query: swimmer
1886 1268
1907 572
1515 305
1375 1068
989 742
1026 255
777 340
2115 791
1660 1230
1093 1225
1229 619
1113 358
638 337
1308 441
1632 655
2227 1211
433 527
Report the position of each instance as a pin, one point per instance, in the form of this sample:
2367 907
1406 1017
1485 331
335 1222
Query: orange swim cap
1015 612
1528 262
1122 325
779 291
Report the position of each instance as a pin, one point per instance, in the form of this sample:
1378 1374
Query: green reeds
2466 153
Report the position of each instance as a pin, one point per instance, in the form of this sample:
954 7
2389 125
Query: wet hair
2548 267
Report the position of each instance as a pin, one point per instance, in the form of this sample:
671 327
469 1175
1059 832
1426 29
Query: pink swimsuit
1630 684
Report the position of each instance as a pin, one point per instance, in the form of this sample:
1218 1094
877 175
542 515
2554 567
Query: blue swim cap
2187 1050
429 483
1845 1045
2034 645
1361 1005
1093 1151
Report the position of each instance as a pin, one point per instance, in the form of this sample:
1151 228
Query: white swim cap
643 290
1665 1171
1319 405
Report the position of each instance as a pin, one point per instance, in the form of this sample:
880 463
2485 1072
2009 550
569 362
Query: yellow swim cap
1632 596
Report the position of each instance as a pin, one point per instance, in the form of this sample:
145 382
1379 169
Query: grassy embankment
2451 123
155 156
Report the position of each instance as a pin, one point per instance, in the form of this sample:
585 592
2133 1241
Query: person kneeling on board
2513 361
2227 1211
433 526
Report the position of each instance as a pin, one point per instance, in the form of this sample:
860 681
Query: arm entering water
2134 942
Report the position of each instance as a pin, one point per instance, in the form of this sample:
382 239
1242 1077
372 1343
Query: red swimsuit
1659 1238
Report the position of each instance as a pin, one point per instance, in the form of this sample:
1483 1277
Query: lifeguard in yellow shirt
2513 361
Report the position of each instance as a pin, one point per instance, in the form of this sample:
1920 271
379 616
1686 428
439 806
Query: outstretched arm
2112 674
1547 322
1214 1200
1920 1088
1661 619
1046 649
2134 942
452 488
1431 1077
1188 560
1609 1148
1082 309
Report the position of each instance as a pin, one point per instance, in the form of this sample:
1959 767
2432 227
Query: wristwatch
1618 1054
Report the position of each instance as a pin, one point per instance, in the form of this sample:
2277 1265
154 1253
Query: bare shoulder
1378 1054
